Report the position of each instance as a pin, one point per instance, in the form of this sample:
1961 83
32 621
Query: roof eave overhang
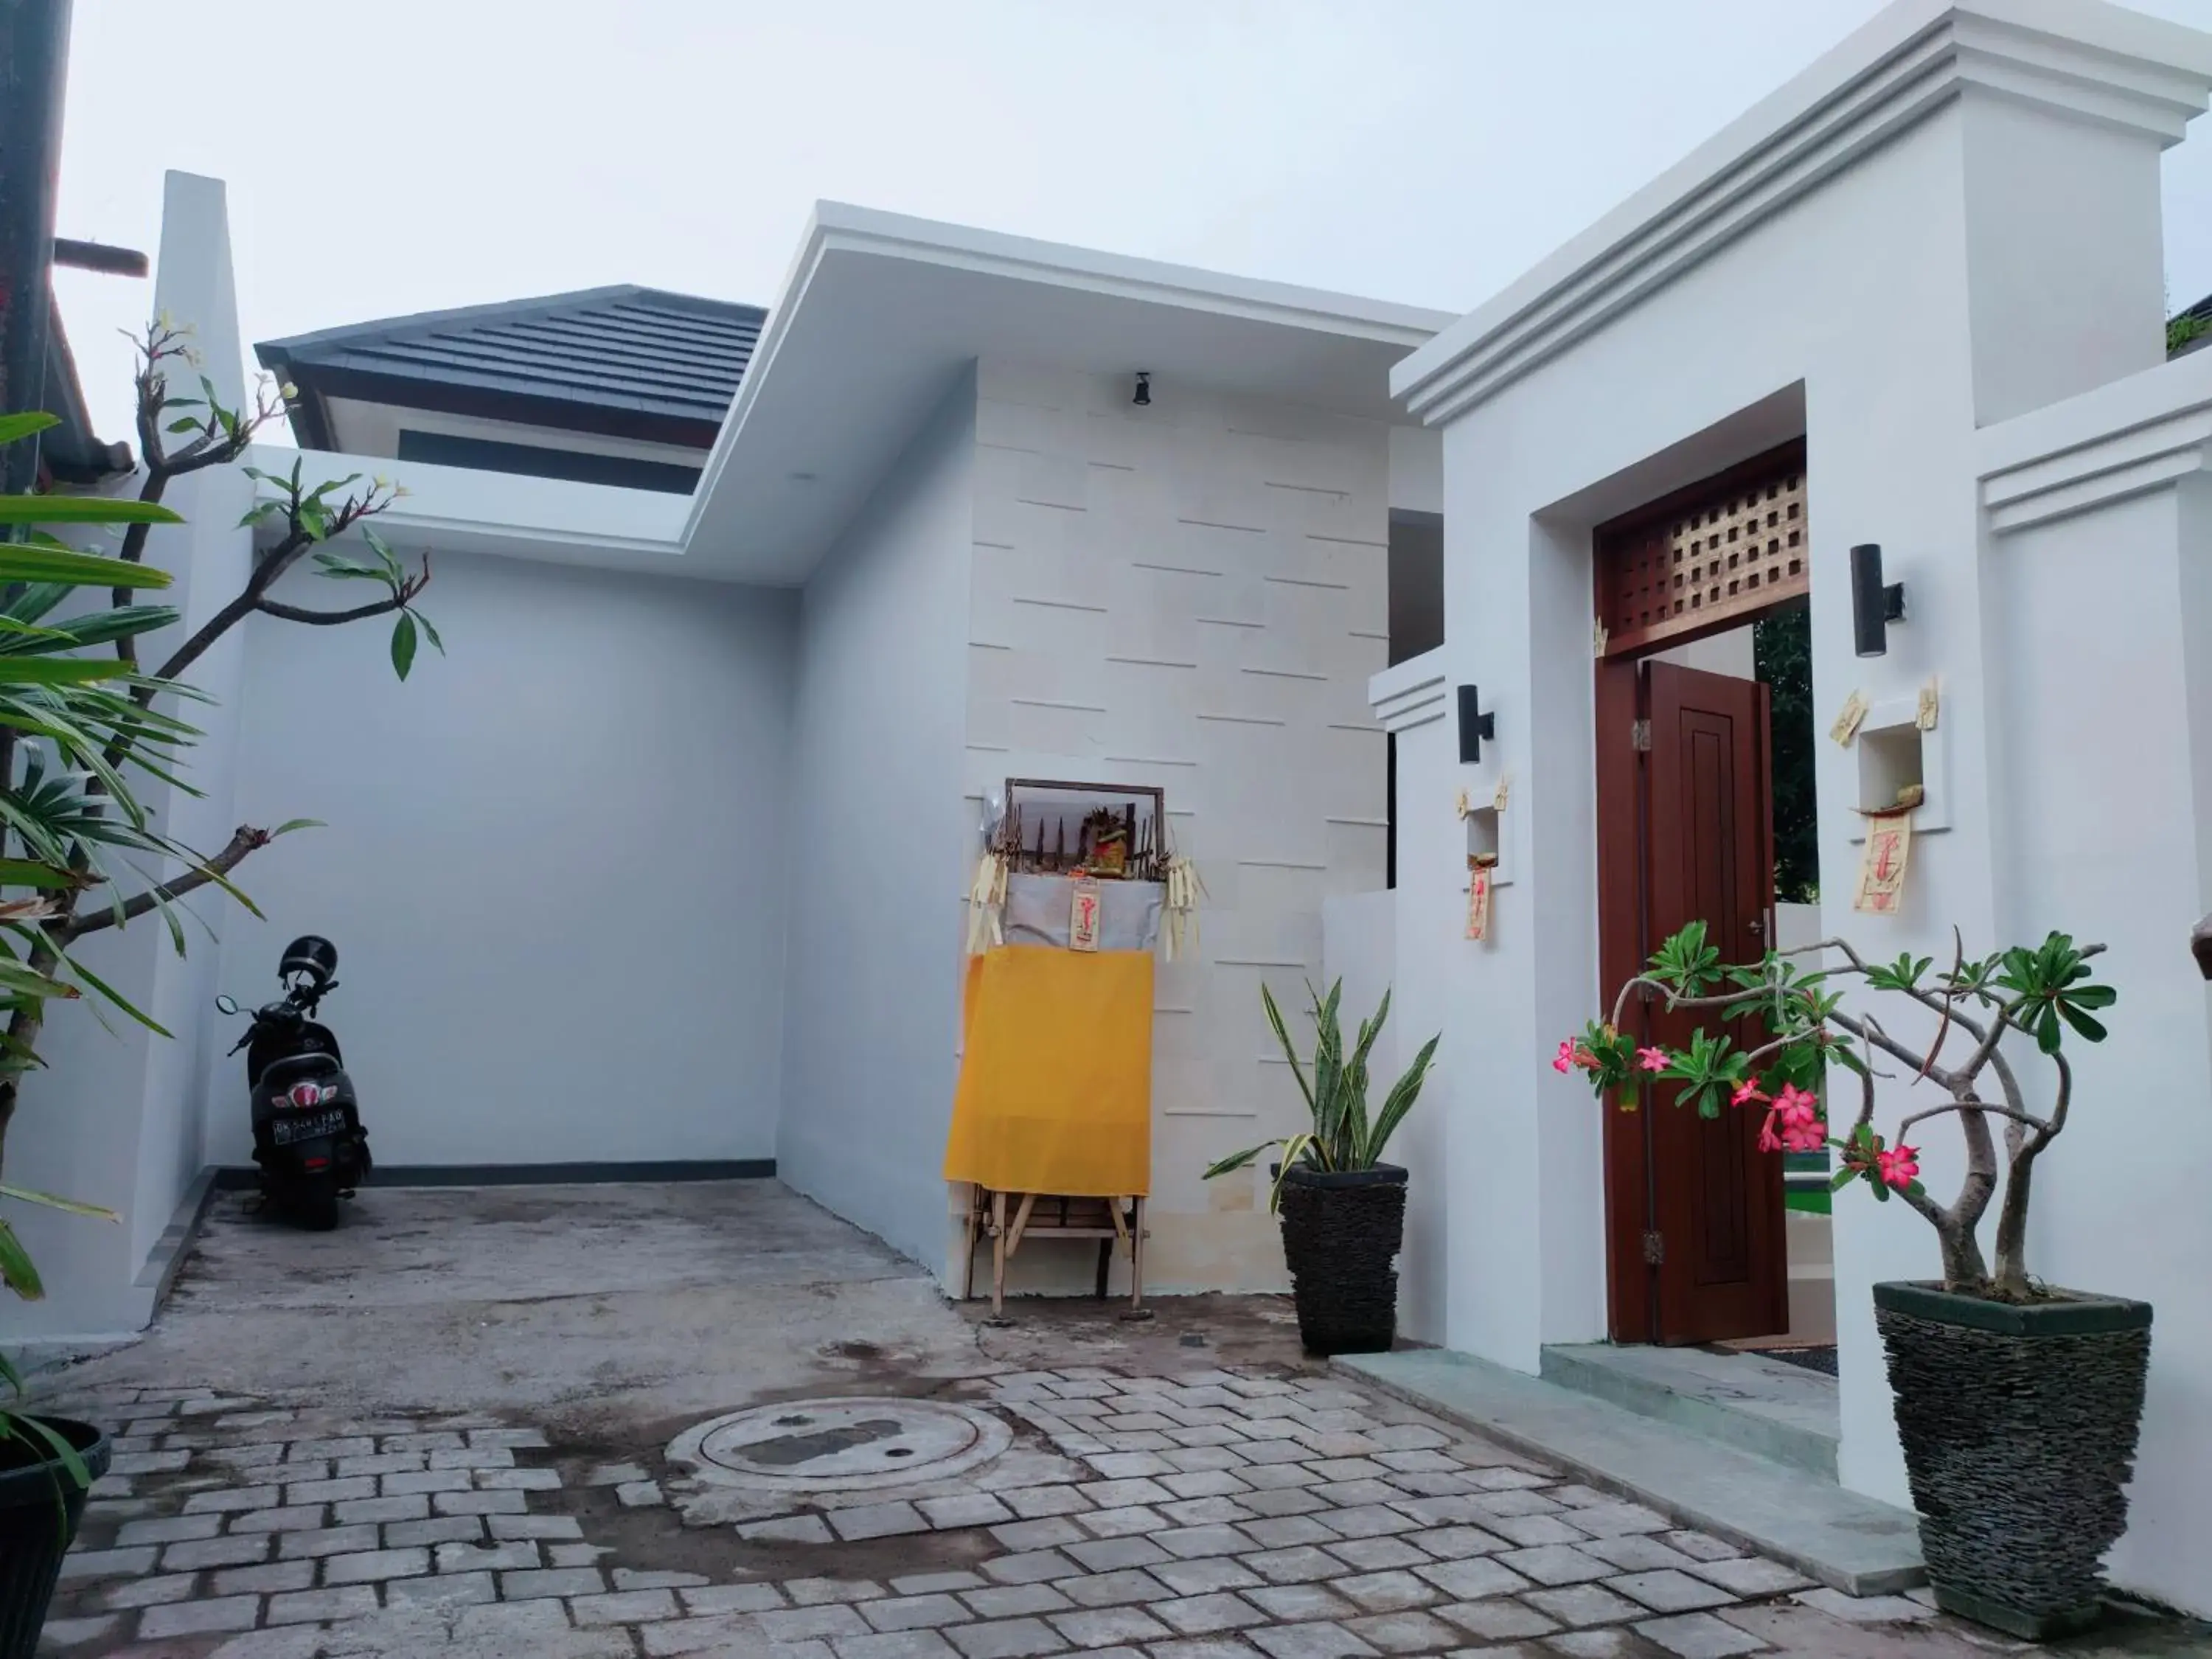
837 231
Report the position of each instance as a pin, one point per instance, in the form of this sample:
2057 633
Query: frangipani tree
84 725
1789 1021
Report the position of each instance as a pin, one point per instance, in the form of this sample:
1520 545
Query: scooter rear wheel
318 1203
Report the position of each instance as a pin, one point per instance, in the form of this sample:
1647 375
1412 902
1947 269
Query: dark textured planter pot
2019 1425
1341 1236
35 1530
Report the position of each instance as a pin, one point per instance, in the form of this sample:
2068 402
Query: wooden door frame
1632 1288
1623 869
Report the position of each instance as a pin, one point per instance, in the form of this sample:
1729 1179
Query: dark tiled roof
627 362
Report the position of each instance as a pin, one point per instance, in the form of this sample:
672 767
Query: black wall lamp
1474 725
1874 607
1144 397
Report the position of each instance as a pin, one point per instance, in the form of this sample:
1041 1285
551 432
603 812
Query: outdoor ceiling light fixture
1874 607
1474 725
1143 398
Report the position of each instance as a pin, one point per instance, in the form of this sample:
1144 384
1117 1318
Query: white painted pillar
118 1119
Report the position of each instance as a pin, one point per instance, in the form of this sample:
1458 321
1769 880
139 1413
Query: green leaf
1841 1179
29 872
117 998
403 644
74 1206
15 428
1305 1147
2086 1024
17 1271
1400 1101
60 670
82 509
290 824
184 423
118 622
1283 1038
21 562
1237 1160
428 632
27 982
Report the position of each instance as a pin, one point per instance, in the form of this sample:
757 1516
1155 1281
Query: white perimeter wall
1848 294
879 835
2108 767
554 865
1991 259
1193 594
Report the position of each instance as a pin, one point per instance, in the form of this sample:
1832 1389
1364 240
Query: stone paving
1213 1515
457 1426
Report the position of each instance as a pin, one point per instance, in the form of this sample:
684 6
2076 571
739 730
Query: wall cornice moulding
2090 60
2131 436
1410 693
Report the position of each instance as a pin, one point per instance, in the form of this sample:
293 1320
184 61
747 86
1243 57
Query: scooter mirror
226 1005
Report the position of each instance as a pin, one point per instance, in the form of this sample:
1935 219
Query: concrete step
1780 1412
1850 1543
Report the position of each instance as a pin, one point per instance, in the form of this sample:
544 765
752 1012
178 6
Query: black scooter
307 1136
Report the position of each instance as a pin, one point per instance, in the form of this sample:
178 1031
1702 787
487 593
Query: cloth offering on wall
1882 862
1038 909
1084 919
1056 1090
1478 898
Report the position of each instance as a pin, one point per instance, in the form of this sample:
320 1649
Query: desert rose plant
1790 1022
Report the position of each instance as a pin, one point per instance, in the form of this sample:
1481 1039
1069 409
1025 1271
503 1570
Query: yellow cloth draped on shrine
1056 1090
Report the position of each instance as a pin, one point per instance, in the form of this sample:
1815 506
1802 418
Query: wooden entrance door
1695 1208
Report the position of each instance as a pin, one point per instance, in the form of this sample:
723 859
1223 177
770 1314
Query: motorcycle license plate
309 1126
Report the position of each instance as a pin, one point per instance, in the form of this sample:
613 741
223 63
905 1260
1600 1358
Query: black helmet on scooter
313 955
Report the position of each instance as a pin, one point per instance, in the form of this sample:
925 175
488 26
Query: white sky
387 157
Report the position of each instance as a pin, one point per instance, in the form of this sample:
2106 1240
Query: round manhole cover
838 1445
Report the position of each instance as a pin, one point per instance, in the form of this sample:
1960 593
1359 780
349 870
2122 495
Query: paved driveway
562 1423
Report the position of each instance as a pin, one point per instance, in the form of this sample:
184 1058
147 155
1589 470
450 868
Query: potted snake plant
2018 1403
1343 1209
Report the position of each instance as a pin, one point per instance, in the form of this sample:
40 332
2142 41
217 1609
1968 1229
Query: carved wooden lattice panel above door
1703 557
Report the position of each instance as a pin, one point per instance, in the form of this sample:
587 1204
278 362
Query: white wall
1417 469
879 847
554 867
1814 321
116 1119
1360 947
2106 766
1193 594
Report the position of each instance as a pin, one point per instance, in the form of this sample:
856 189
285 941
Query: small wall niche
1893 753
1490 831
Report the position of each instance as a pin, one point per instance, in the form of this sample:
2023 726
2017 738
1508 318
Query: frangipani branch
2037 994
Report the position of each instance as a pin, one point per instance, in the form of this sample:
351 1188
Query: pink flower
1746 1092
1899 1166
1799 1134
1565 1061
1653 1060
1797 1106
